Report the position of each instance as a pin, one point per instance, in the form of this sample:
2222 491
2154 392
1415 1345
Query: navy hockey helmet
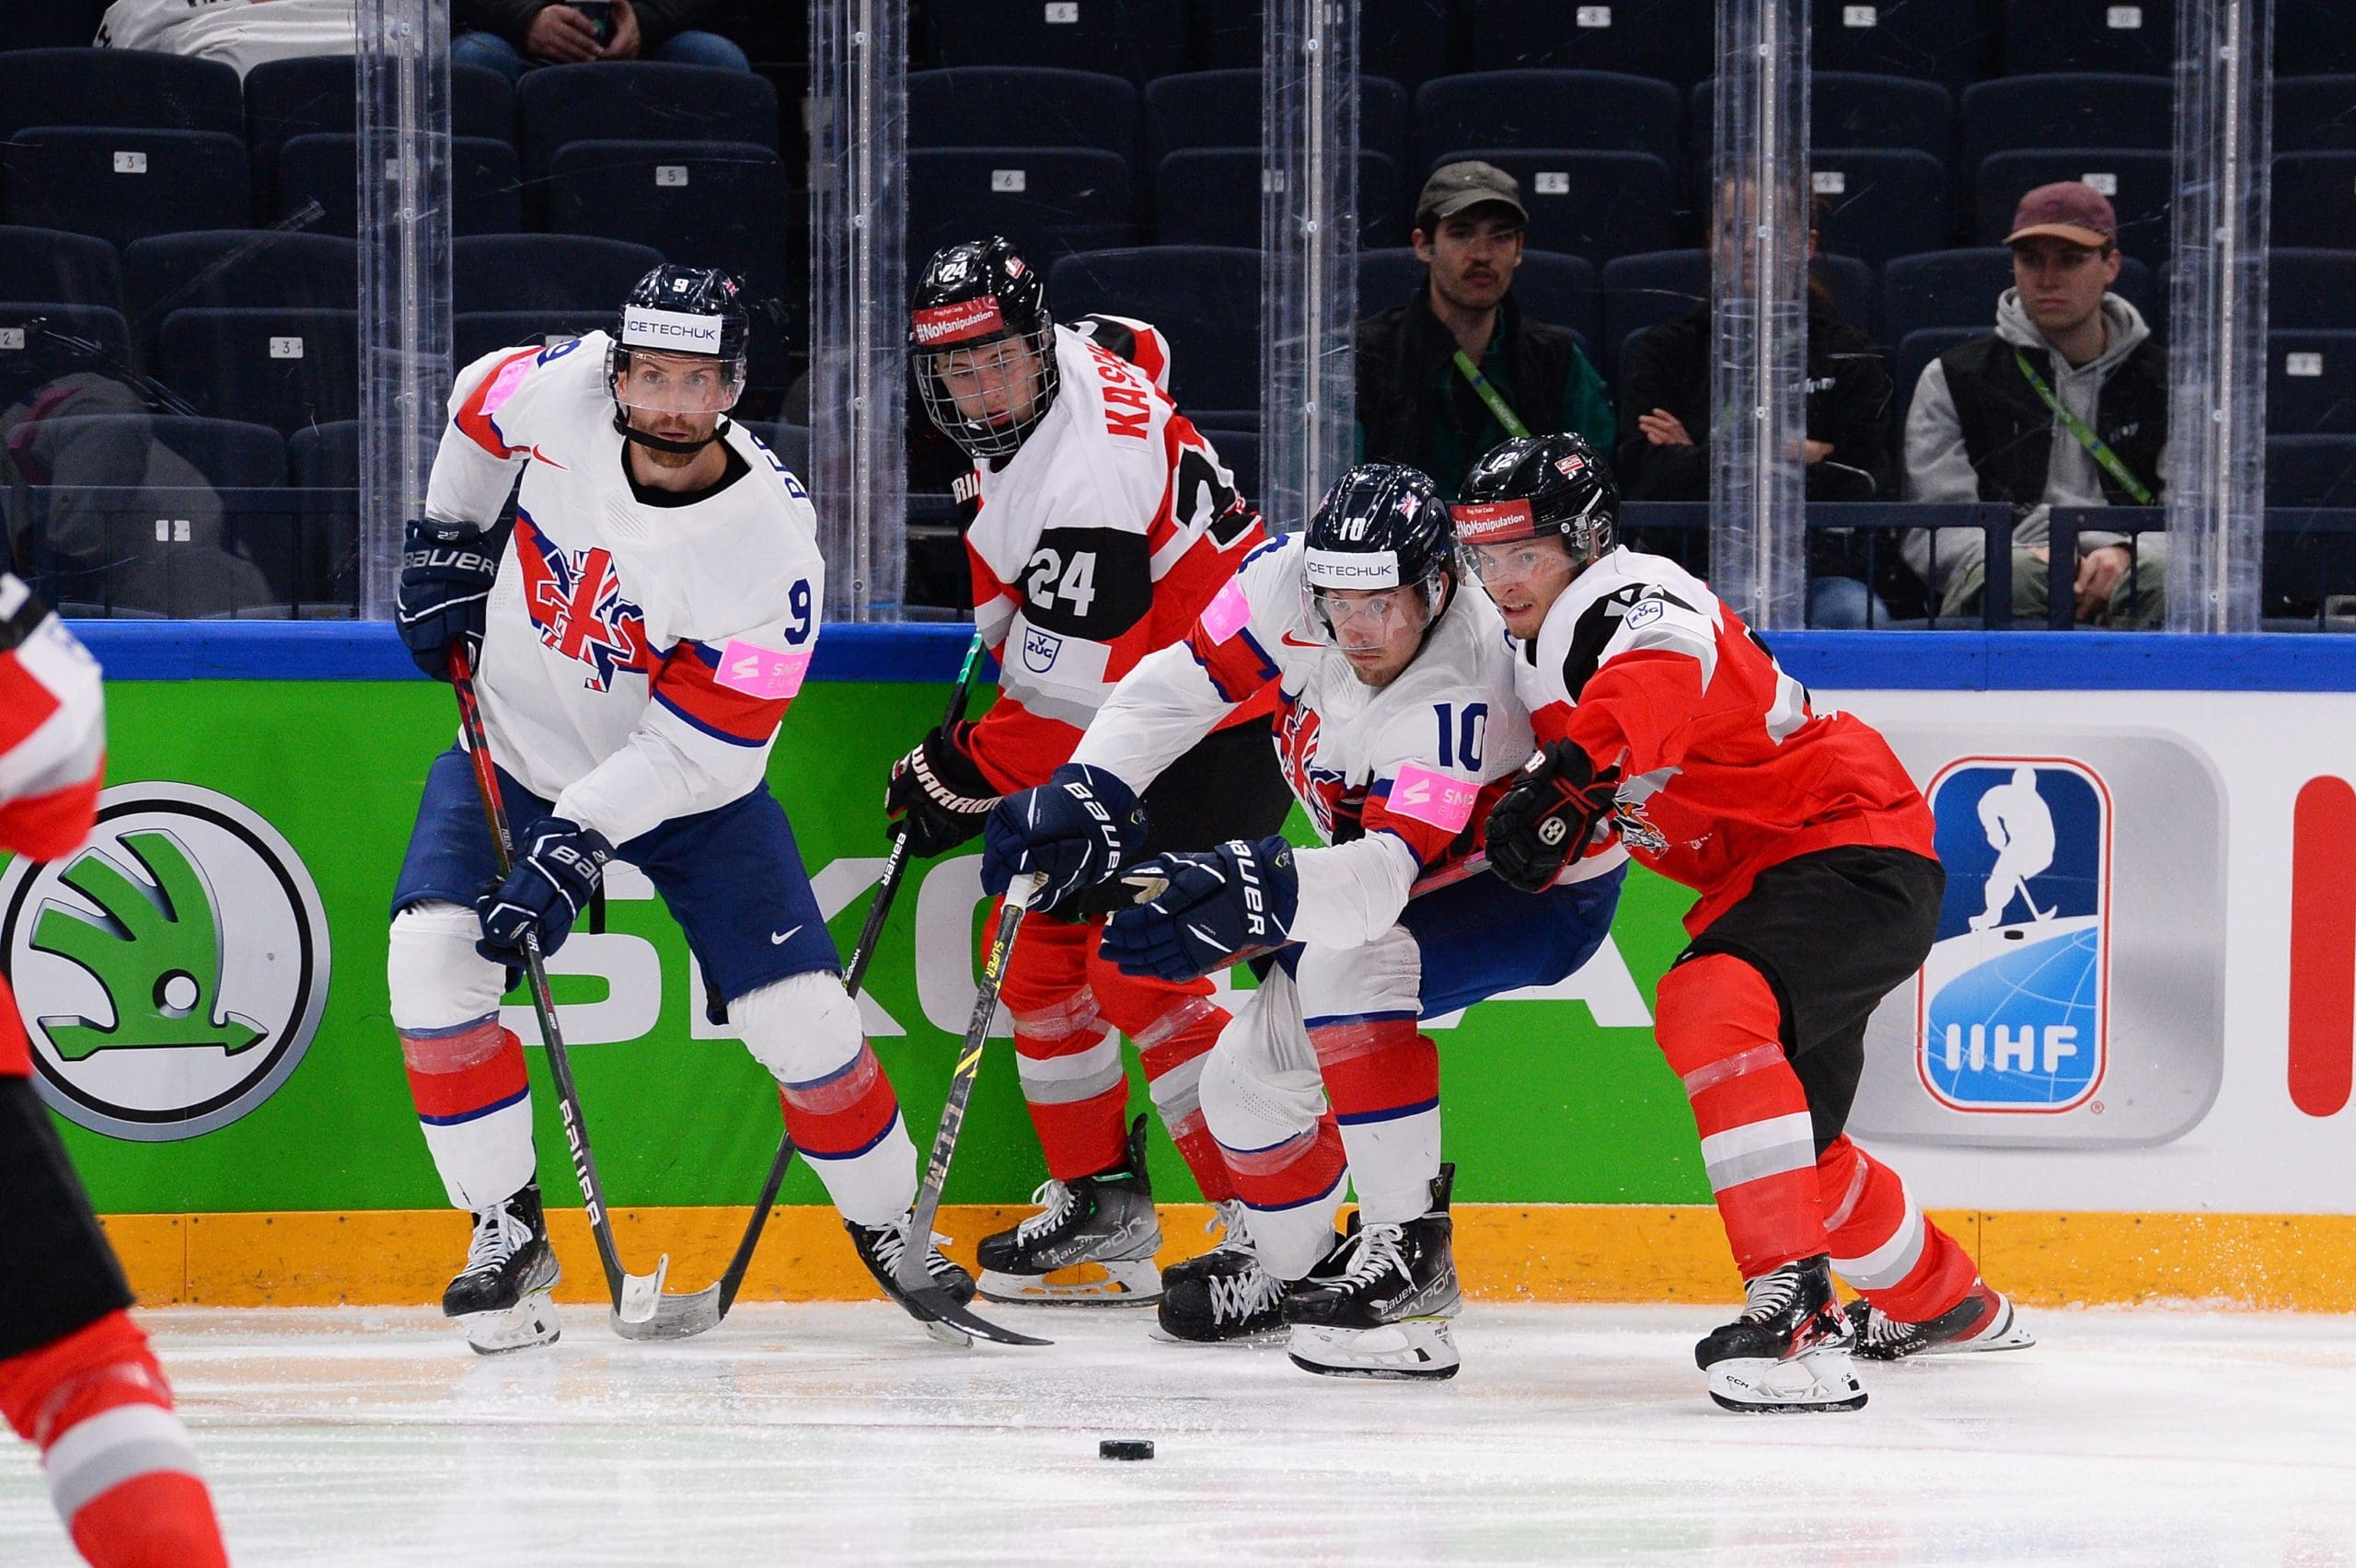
971 298
1538 486
1382 525
681 310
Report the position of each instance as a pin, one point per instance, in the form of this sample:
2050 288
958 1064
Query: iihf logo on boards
2013 1004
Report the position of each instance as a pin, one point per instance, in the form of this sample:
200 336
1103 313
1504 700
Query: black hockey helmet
1382 525
1539 487
972 294
681 310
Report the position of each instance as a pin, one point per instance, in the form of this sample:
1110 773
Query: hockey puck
1125 1448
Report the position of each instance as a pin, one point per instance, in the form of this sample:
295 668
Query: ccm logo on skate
2012 1008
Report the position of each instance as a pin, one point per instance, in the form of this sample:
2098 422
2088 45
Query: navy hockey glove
1199 912
1074 830
938 798
546 890
1548 815
446 572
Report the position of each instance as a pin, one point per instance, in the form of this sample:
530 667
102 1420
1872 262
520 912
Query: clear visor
1367 621
1517 563
679 383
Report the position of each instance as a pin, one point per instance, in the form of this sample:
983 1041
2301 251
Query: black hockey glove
938 797
1548 815
548 886
1074 830
446 572
1200 912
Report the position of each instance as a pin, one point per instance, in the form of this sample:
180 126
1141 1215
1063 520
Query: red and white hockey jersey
1398 778
1098 542
1726 769
52 755
637 657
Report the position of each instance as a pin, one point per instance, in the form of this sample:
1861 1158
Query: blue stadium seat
2314 114
54 24
1206 301
545 272
486 184
2308 288
1917 349
1049 202
111 87
1211 196
1646 289
1136 39
227 452
473 333
325 455
23 321
1600 110
1221 108
2312 37
1856 291
2034 113
2311 383
998 106
1881 204
1849 109
313 95
1598 205
2090 35
124 184
708 203
71 269
281 368
2310 470
1642 38
1239 449
240 269
1408 41
2314 198
1549 287
1947 42
1959 288
640 100
2141 187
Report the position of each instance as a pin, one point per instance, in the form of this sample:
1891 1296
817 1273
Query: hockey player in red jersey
1100 523
76 1376
1661 717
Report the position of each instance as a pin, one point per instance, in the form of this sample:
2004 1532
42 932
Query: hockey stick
912 1275
638 1299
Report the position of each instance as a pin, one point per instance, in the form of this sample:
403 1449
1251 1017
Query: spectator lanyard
1502 411
2095 447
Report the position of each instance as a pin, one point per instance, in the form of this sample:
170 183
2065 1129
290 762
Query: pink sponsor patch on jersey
1444 802
502 386
1227 615
765 672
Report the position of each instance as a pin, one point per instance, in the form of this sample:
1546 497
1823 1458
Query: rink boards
2125 1073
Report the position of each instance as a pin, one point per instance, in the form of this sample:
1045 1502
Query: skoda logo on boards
171 973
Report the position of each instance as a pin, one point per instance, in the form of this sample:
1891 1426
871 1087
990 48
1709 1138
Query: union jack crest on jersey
575 600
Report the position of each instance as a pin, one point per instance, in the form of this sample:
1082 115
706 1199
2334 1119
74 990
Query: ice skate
1981 1320
1379 1306
502 1297
1224 1295
1092 1243
1789 1351
880 1246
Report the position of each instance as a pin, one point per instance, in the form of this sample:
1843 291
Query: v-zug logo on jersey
575 599
170 973
2013 1005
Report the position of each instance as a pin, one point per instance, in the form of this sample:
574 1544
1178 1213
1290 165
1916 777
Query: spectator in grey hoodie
2065 404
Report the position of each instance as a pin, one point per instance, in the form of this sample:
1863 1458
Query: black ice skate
880 1246
1092 1243
1380 1306
1981 1320
501 1297
1789 1351
1224 1295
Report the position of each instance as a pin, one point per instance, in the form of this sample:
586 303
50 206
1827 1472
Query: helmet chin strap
660 443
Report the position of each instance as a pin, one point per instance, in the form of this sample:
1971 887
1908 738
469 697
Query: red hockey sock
121 1468
1300 1170
458 1075
1063 1051
1882 1244
1170 1049
1719 1026
844 1114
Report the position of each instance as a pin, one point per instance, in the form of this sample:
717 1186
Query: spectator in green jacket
1456 368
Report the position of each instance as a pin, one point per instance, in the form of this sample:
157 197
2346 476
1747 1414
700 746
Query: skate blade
531 1321
1096 1283
2009 1334
1421 1349
1275 1333
642 1294
1815 1380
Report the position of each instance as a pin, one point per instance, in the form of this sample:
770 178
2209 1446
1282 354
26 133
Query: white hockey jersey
1098 542
242 33
1398 778
637 655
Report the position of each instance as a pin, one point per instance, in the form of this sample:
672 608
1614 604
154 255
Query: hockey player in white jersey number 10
1397 722
1101 522
1664 718
641 636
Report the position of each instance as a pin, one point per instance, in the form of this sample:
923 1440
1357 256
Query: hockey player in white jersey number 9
1099 524
1397 724
641 636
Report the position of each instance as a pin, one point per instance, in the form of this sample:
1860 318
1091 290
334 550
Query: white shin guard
805 1031
446 1006
1261 1098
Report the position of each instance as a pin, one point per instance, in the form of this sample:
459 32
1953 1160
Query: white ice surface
822 1434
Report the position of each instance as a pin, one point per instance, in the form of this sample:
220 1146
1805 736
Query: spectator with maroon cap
2065 404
